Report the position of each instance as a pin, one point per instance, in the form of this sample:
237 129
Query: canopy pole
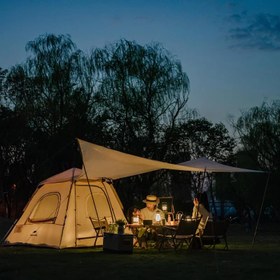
258 221
212 196
89 186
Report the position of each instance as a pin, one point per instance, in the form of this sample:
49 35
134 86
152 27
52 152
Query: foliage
125 96
259 132
120 222
142 89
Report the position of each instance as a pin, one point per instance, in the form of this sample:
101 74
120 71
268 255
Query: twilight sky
229 49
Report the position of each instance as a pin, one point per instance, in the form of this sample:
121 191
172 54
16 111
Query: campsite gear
58 214
61 211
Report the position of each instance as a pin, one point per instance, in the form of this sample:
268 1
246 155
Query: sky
230 50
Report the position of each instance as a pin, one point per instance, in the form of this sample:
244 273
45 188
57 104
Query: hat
152 199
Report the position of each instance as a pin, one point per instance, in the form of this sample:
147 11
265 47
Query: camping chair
99 225
176 237
214 231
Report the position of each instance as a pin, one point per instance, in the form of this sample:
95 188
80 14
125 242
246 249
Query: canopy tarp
101 162
207 165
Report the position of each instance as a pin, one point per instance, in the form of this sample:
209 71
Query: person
135 215
153 213
151 210
200 210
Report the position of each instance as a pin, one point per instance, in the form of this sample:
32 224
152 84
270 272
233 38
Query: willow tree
259 132
53 90
142 89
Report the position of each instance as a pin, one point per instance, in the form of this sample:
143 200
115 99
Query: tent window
46 209
102 206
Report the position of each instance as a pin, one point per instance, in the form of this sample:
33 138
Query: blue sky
230 50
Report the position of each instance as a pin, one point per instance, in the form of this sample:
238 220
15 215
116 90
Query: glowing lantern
164 206
135 220
158 217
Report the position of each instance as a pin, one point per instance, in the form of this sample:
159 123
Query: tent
58 214
60 211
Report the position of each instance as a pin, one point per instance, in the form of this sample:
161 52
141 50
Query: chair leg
97 234
226 244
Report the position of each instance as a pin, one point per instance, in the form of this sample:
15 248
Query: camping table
140 231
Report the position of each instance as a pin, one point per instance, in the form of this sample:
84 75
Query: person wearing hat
151 209
150 212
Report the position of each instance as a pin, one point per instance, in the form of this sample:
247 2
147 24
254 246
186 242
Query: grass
241 261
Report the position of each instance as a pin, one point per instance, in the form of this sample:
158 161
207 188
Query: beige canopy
101 162
205 164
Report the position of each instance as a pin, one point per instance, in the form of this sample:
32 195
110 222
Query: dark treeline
131 98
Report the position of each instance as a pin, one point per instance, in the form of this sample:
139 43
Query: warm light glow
164 206
158 217
135 220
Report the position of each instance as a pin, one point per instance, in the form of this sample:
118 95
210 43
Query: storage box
121 243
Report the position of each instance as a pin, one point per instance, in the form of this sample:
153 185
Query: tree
194 138
142 89
259 132
54 92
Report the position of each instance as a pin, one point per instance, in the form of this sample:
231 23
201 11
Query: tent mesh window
46 209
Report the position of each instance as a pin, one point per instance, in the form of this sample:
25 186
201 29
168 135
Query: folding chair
176 237
99 225
213 232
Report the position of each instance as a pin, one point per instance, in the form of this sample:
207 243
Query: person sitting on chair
200 211
154 214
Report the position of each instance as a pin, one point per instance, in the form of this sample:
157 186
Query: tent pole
73 184
91 194
109 200
258 221
90 190
212 196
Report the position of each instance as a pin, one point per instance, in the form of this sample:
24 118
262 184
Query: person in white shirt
153 213
200 211
151 210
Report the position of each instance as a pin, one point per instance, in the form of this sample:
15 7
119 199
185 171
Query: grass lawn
241 261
